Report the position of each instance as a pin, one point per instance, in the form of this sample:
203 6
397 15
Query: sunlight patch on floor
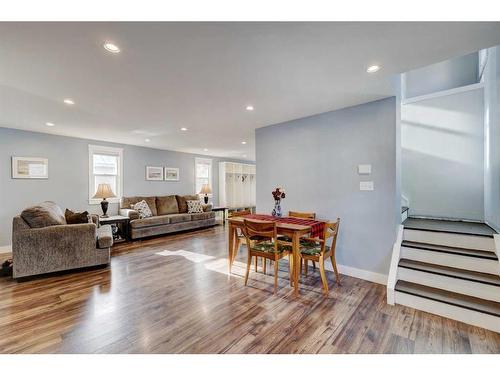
189 255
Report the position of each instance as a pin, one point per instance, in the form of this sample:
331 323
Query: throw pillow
76 217
43 215
194 207
143 209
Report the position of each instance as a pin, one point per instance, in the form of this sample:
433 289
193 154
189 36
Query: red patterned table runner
317 227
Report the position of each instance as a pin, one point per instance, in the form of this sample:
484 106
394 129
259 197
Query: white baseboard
374 277
5 249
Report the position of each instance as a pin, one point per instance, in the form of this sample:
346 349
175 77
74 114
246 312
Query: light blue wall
492 138
456 72
315 159
68 174
443 156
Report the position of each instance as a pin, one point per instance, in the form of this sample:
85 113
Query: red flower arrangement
278 194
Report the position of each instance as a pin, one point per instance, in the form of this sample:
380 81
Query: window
203 173
105 167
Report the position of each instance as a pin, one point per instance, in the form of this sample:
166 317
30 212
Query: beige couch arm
131 214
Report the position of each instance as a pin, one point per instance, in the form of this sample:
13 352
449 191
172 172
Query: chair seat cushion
268 247
289 239
312 248
150 221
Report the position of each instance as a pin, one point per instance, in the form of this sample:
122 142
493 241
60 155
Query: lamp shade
104 191
206 189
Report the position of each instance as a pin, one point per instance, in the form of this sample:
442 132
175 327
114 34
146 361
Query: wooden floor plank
183 301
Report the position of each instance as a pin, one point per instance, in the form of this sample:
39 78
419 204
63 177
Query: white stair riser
450 239
449 311
451 260
452 284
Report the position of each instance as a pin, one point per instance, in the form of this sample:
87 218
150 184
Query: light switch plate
364 168
366 185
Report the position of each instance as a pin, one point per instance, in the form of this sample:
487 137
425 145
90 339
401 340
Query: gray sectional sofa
169 215
42 242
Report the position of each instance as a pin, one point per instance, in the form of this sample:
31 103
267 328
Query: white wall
492 138
442 156
315 159
445 75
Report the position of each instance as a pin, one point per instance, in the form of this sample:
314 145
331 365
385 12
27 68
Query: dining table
293 228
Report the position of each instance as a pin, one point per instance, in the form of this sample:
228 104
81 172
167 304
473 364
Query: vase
277 209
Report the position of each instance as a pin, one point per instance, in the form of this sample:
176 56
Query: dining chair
262 241
300 215
240 239
316 249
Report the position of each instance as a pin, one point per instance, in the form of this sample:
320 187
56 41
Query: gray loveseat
169 215
42 242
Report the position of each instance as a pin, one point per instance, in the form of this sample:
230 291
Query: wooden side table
223 210
119 225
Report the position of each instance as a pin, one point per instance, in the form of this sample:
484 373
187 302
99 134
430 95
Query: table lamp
104 191
206 189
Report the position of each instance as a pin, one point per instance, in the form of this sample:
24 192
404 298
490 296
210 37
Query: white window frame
210 176
96 149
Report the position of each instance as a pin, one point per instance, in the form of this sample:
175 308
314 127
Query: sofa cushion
104 237
202 216
127 202
167 205
150 221
43 215
179 218
182 202
77 217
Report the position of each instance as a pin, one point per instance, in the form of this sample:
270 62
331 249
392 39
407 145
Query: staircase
447 268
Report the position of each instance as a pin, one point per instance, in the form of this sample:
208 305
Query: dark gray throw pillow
76 217
43 215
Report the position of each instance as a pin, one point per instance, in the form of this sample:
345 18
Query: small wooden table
122 223
223 210
294 231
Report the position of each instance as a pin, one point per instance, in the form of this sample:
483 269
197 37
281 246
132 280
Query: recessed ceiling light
111 47
147 140
373 69
69 101
50 124
243 142
184 129
205 149
244 156
249 108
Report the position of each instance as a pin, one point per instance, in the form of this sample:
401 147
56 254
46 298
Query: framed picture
171 174
28 167
154 173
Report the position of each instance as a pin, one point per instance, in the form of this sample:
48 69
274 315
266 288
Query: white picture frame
154 173
24 167
171 174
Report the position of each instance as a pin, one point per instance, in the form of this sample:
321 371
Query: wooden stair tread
450 226
480 277
451 298
452 250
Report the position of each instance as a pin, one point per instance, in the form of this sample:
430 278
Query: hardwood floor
183 301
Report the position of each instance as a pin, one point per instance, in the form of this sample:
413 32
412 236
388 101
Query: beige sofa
169 215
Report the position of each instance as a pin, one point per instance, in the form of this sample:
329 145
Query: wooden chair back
260 229
332 231
240 213
302 215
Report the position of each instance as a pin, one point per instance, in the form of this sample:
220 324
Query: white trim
5 249
438 94
496 238
112 151
358 273
393 269
461 314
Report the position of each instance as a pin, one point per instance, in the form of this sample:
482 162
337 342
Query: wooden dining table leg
296 262
231 232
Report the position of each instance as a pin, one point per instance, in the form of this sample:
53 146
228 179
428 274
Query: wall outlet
366 185
364 168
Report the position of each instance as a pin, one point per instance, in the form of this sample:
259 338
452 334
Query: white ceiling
202 75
